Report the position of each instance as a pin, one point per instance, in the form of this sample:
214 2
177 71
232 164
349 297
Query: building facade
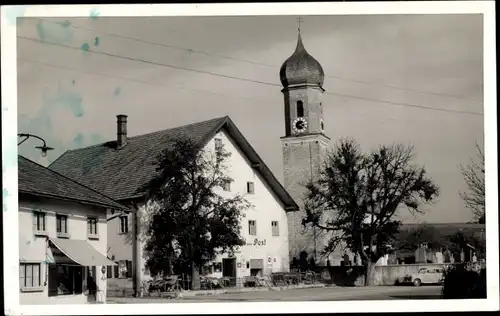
62 238
264 225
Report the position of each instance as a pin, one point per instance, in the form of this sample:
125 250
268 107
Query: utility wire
141 81
239 78
172 87
254 62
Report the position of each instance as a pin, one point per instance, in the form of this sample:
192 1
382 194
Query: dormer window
300 109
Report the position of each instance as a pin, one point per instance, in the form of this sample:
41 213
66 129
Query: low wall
383 275
120 287
389 274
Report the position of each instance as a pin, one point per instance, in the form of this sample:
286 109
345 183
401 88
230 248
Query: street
311 294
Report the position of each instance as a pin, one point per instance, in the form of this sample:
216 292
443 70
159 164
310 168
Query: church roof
36 180
301 68
120 173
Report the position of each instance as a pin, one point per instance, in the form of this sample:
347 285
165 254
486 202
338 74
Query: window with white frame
250 187
61 224
275 228
39 224
252 227
92 227
123 224
30 276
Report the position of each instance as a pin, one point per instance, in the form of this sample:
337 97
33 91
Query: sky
75 75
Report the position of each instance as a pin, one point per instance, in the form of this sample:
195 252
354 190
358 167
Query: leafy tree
357 195
411 239
190 222
458 241
474 197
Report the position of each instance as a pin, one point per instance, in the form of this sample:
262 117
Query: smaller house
62 237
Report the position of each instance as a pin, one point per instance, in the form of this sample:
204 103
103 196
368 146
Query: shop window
29 276
65 280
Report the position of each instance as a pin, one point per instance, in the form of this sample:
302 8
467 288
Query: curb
180 295
234 291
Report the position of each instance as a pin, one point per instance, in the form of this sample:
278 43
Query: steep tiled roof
37 180
119 173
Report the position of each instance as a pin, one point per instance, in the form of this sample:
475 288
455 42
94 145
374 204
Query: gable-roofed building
121 167
62 236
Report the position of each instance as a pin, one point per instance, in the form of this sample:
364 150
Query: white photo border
9 151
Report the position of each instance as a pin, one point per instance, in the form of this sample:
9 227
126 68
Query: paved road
312 294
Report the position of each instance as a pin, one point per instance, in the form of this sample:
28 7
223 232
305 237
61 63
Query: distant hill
439 231
446 228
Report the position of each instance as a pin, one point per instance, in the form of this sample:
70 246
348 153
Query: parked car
426 275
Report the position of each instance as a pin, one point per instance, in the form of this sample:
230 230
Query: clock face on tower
300 125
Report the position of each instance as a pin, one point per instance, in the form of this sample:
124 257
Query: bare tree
474 197
360 194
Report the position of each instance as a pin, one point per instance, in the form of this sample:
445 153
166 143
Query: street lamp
44 148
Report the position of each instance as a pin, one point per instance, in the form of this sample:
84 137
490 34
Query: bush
460 283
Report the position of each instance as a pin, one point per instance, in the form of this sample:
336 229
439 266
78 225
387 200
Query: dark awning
77 251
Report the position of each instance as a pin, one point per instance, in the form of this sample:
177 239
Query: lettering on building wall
257 242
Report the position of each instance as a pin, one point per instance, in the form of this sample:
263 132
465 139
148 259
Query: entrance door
256 267
229 269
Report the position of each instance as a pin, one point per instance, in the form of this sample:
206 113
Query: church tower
304 144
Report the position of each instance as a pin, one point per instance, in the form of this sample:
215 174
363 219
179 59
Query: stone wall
383 276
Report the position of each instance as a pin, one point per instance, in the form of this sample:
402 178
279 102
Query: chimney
121 130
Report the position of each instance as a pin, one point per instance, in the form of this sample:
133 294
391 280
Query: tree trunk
195 277
369 273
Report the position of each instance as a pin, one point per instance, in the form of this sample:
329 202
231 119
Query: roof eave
45 195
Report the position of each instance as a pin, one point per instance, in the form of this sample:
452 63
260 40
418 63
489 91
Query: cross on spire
299 20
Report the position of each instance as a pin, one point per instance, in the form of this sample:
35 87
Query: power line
240 78
163 85
257 63
141 81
